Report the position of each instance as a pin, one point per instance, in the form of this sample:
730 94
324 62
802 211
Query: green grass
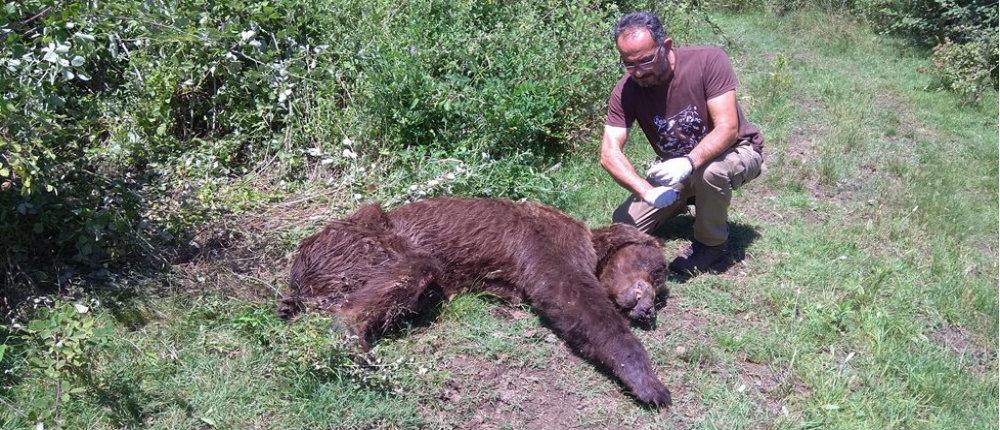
866 299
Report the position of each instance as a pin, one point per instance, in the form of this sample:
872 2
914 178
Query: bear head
631 267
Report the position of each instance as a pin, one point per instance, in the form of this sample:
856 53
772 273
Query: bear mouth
642 317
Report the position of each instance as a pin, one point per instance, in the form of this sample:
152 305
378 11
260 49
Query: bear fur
374 268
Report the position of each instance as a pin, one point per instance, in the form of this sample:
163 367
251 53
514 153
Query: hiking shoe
697 258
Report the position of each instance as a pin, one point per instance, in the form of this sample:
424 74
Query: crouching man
684 100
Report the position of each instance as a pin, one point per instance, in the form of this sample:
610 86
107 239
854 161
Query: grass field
862 292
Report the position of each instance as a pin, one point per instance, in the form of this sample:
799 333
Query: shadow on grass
740 237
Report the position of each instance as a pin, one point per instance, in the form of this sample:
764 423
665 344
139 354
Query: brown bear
373 268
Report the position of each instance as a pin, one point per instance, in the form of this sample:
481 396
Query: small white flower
247 35
84 36
62 49
432 183
255 43
450 176
77 61
413 188
51 56
81 308
315 152
284 95
347 141
349 154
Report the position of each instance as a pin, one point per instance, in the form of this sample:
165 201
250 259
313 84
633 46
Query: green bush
929 22
65 340
963 34
120 122
967 69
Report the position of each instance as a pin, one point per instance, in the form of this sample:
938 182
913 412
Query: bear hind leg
388 297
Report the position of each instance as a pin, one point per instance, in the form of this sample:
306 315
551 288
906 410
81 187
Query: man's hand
671 172
660 197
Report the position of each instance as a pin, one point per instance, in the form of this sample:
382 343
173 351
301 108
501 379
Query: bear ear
370 216
609 239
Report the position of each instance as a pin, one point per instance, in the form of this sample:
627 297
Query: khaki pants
712 186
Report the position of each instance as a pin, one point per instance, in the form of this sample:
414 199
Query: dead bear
373 268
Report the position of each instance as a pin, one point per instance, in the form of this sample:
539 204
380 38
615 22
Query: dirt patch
505 395
484 394
673 318
769 387
564 391
246 255
802 138
964 345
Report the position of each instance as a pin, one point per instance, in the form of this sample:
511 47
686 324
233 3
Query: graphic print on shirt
679 133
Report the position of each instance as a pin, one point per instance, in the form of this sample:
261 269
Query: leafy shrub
966 69
963 34
65 340
929 22
121 122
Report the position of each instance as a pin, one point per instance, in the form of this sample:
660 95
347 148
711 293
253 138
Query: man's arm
614 161
722 110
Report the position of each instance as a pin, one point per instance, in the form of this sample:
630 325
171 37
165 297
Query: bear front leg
583 315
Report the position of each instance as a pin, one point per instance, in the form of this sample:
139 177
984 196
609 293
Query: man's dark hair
644 20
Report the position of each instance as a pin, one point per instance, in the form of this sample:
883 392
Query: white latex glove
660 197
670 172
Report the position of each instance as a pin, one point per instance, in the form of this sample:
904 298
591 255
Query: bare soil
963 344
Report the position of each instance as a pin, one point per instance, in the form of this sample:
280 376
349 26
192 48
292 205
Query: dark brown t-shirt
675 117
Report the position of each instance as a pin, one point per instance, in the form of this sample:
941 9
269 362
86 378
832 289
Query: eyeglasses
643 64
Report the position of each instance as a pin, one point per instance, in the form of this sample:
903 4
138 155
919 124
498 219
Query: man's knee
714 175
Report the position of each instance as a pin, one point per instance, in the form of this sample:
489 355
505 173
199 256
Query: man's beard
648 81
655 79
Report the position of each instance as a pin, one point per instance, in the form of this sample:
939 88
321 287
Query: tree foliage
120 120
